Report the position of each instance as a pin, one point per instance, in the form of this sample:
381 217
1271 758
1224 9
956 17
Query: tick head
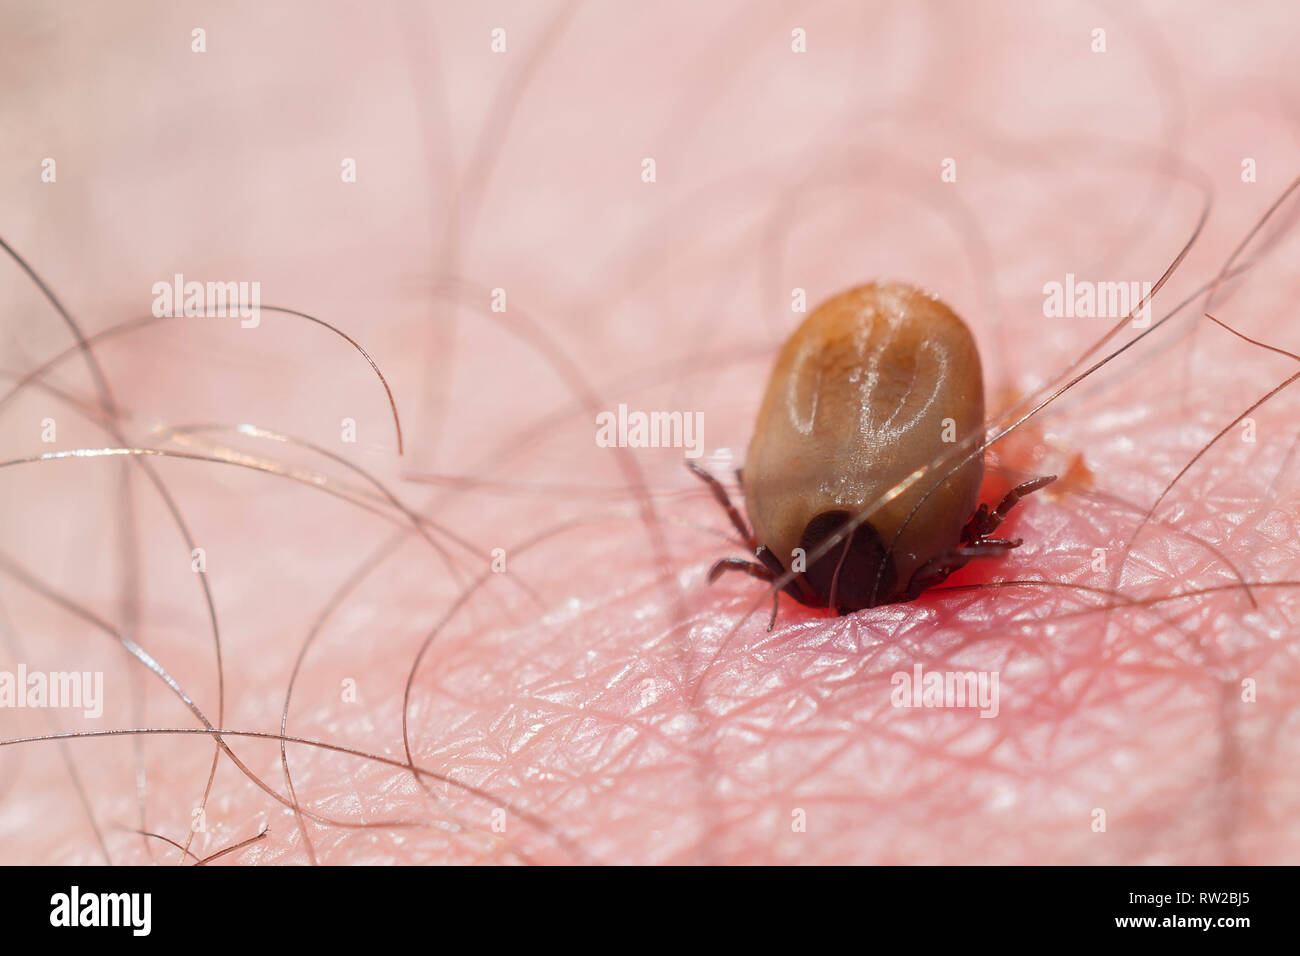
859 570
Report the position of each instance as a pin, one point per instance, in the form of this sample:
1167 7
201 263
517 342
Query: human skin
602 700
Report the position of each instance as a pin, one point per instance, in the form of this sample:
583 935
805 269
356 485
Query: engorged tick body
878 382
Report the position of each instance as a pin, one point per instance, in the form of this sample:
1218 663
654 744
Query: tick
878 382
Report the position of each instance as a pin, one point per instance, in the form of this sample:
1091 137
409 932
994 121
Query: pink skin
599 692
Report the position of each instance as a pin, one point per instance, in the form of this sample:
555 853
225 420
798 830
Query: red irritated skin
636 205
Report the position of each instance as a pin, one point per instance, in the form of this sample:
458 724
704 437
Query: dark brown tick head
859 575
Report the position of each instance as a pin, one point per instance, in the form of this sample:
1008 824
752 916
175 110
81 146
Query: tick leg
937 569
983 522
753 570
720 493
723 565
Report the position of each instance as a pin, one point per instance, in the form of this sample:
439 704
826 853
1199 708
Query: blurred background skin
564 689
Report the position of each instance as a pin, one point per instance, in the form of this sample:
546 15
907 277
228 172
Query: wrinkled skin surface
606 704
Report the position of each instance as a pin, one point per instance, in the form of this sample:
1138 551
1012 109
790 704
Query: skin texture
860 398
615 707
